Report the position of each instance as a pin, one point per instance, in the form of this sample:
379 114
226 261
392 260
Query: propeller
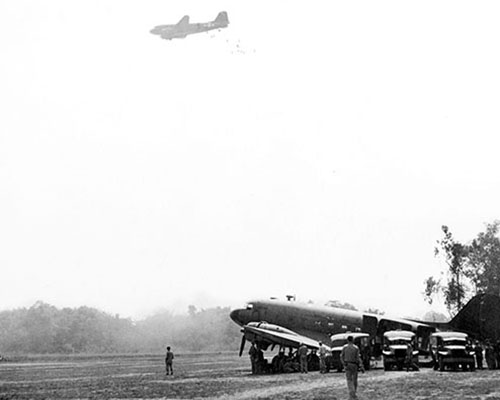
242 345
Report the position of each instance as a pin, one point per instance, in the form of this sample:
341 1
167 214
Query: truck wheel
472 366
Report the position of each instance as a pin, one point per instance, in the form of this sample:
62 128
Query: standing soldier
322 358
490 355
478 351
303 358
496 349
260 364
278 361
409 359
169 359
351 360
253 353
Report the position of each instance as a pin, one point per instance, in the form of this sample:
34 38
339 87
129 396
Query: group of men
299 361
259 363
295 361
491 354
350 357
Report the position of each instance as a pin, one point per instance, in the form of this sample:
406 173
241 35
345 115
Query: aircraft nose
236 316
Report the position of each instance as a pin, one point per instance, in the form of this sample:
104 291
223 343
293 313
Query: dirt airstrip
222 376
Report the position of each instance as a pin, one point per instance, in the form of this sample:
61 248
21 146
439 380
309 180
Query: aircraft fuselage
184 27
269 322
174 31
318 322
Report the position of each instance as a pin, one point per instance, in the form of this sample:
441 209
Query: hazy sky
311 148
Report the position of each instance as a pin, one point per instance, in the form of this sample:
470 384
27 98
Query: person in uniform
278 361
261 364
478 351
322 358
303 358
313 361
409 359
253 353
490 355
169 360
496 349
351 360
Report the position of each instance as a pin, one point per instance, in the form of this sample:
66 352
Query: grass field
222 376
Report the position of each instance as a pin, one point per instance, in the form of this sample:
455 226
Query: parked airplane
184 28
289 323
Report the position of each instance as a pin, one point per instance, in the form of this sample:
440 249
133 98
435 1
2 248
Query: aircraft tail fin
184 21
480 317
222 18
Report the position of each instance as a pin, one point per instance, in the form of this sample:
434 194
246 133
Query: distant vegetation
473 267
434 316
43 328
339 304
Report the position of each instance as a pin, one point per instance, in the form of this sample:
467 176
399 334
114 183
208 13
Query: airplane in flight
184 27
288 323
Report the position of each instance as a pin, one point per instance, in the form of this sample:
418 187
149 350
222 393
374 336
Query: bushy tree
484 260
455 254
432 287
472 268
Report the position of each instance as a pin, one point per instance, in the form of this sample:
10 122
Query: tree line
43 328
473 267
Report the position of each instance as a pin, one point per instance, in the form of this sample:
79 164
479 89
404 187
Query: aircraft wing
269 334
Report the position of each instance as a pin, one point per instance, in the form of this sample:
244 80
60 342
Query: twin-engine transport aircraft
184 28
289 323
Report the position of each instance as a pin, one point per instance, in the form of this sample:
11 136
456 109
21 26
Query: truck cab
362 340
395 349
452 350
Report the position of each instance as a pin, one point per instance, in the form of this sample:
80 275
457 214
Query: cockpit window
249 306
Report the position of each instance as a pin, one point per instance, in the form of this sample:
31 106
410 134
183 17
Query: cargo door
370 325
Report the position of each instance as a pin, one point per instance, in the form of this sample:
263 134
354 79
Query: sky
310 148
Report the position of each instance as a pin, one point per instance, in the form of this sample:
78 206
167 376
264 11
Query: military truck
395 350
362 340
452 350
